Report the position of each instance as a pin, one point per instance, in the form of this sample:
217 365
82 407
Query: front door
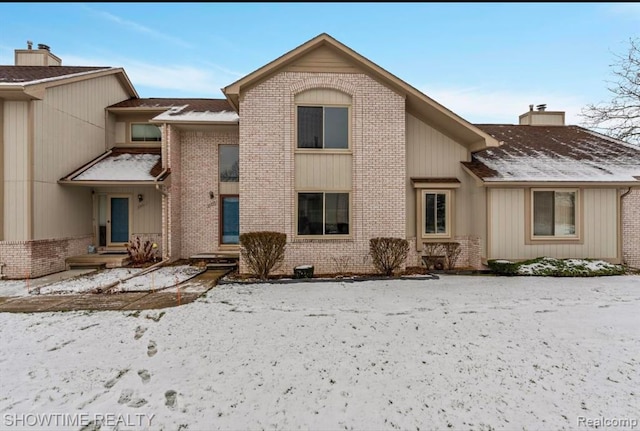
229 220
118 220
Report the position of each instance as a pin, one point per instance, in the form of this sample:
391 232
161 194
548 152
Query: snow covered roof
184 110
554 153
120 165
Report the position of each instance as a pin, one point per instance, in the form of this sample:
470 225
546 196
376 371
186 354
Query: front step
218 260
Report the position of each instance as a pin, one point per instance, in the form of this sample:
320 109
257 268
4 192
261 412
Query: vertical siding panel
70 131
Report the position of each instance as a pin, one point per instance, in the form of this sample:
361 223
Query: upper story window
229 163
323 127
554 213
145 133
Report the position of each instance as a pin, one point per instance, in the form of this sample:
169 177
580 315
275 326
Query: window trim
138 123
448 213
324 236
531 239
323 150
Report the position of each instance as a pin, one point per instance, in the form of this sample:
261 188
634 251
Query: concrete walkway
181 294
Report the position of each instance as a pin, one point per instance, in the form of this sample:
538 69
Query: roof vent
29 44
43 46
542 107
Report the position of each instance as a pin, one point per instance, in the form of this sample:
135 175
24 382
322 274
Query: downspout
165 218
620 247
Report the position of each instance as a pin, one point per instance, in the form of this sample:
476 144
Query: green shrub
388 254
141 253
263 252
503 267
552 267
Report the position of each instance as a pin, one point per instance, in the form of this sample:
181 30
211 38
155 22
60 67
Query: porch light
140 197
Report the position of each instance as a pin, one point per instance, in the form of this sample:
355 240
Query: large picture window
323 127
436 208
554 213
145 133
323 214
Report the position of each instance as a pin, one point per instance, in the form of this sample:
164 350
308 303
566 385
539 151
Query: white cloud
189 80
138 27
478 105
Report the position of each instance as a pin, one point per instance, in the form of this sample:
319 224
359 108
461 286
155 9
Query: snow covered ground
461 352
159 279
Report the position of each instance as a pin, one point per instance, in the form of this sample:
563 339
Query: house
52 119
329 148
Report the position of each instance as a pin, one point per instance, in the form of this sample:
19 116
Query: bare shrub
432 253
452 252
142 252
388 254
263 252
341 264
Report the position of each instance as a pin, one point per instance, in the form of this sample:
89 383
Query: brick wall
469 257
200 213
32 259
267 147
631 228
173 203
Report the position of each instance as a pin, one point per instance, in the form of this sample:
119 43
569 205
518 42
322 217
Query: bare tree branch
620 117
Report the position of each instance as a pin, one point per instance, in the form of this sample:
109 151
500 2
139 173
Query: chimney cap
29 44
43 46
542 107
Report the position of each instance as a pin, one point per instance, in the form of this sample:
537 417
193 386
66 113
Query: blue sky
485 61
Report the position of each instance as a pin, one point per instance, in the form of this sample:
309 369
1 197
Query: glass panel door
118 220
229 220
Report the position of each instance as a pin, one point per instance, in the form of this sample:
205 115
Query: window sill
323 151
553 240
323 238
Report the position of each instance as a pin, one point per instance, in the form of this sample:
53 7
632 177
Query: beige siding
322 59
16 160
507 227
123 128
121 133
430 153
2 205
146 216
69 130
323 96
323 171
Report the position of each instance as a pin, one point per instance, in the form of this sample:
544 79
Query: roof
120 165
166 103
554 154
30 74
31 82
183 110
416 101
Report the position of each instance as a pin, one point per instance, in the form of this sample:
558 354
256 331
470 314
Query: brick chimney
542 117
36 57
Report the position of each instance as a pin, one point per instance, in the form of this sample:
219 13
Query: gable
323 59
324 53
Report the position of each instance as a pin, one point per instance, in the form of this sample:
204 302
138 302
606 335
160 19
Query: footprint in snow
151 348
138 402
113 381
144 375
139 332
171 398
125 396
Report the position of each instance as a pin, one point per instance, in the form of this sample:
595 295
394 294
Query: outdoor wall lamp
211 195
140 197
